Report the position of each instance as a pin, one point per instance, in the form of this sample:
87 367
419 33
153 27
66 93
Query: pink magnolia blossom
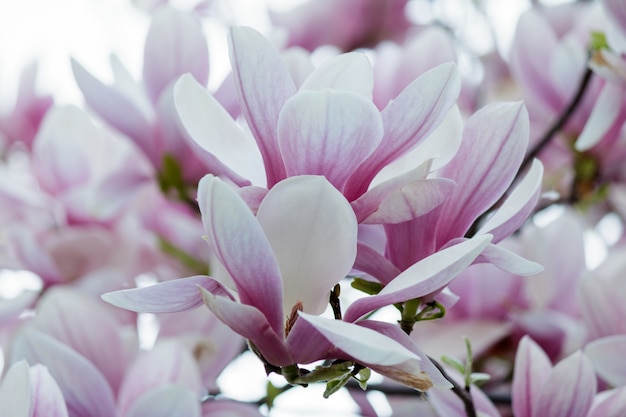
491 150
539 389
30 391
328 126
604 286
99 370
549 58
144 112
280 268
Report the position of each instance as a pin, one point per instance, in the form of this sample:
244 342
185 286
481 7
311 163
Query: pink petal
69 316
167 297
532 369
408 119
346 72
373 263
607 356
569 390
327 133
508 261
16 391
175 45
313 233
306 344
604 114
166 401
84 388
250 323
517 207
48 399
374 350
494 142
241 246
610 403
423 279
115 108
531 53
167 363
59 149
263 86
218 139
395 202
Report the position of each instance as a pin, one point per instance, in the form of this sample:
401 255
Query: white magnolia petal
604 114
210 127
517 207
15 391
313 232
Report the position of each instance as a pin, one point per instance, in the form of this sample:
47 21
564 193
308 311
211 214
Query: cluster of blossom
371 213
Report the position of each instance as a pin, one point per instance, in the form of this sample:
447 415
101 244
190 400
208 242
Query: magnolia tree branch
560 122
543 142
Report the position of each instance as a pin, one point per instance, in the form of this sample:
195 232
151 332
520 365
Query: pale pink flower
143 111
283 263
30 391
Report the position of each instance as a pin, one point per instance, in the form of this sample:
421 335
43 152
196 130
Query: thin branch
463 393
543 142
561 121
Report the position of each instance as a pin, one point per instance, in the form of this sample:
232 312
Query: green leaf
598 41
479 378
368 287
364 376
335 385
454 362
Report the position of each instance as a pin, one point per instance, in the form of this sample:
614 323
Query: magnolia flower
491 150
30 392
23 122
175 45
283 264
539 389
329 126
95 361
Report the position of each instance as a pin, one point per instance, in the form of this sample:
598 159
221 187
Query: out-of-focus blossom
549 58
23 122
116 381
603 287
539 389
144 111
30 392
349 24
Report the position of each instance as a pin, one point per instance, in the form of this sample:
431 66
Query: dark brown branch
463 393
558 125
